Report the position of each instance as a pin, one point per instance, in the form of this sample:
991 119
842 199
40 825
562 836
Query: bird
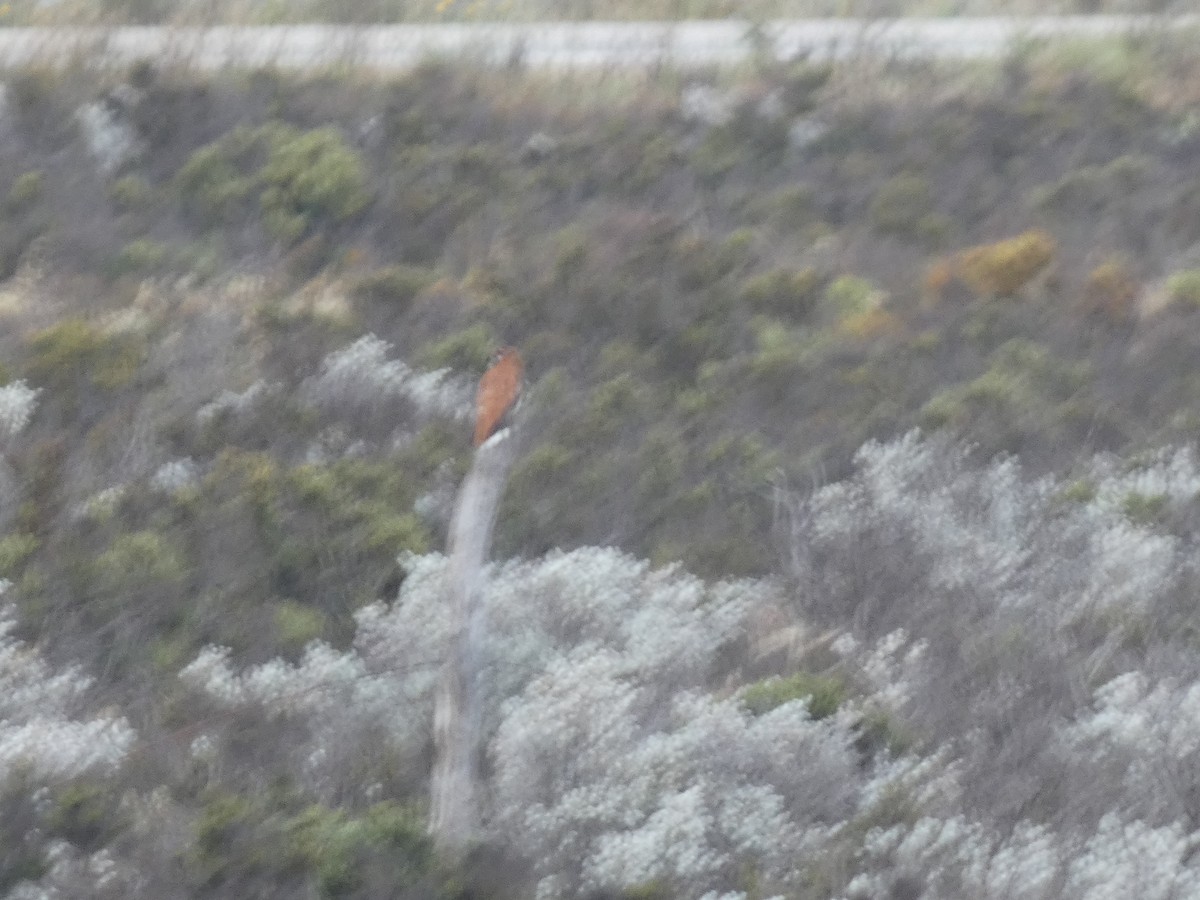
499 392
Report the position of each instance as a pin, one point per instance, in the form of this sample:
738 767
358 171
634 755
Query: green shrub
25 191
394 286
779 350
297 624
241 842
1144 509
945 408
310 178
702 262
387 531
1184 287
745 457
211 185
1111 291
1026 390
15 550
716 155
880 730
1003 268
1087 191
615 404
571 245
789 293
223 842
825 694
338 850
131 193
140 257
87 814
1082 490
850 295
141 560
74 349
900 204
660 468
469 350
544 464
651 890
171 652
790 208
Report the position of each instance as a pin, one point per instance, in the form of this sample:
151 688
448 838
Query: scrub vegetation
851 551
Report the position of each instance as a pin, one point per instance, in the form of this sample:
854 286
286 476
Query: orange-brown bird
499 391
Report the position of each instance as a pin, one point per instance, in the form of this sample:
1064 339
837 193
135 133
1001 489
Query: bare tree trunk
456 790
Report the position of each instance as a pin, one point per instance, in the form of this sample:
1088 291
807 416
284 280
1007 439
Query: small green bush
789 293
25 191
310 177
387 531
1003 268
211 185
469 350
850 295
780 350
297 624
222 843
140 257
1184 287
1082 490
1090 190
546 463
86 814
944 409
703 262
337 849
791 208
1143 509
571 245
15 550
73 349
900 204
1111 291
131 193
616 404
394 286
825 694
140 560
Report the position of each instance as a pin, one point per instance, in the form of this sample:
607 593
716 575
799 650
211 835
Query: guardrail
570 45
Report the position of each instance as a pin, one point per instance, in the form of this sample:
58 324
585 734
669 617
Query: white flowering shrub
1143 739
17 404
175 476
1021 594
238 403
110 139
100 505
1007 731
361 376
952 858
40 734
1132 859
706 105
1012 619
72 873
346 702
613 762
609 784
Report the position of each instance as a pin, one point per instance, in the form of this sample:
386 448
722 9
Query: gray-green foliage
303 179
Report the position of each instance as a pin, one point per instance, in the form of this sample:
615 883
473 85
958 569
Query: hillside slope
243 317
